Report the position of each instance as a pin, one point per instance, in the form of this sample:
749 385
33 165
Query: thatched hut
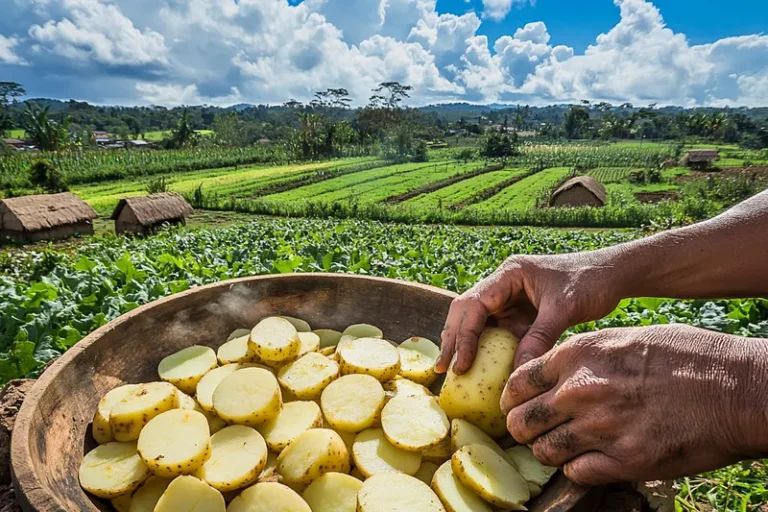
701 158
144 214
45 217
579 191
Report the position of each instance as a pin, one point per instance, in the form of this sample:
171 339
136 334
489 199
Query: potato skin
312 454
475 396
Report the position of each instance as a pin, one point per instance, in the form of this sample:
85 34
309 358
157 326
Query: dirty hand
642 404
536 298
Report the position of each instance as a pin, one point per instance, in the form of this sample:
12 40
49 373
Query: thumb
542 335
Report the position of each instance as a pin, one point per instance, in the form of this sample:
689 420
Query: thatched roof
703 155
36 213
595 187
155 208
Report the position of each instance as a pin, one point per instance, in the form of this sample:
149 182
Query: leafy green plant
45 175
157 185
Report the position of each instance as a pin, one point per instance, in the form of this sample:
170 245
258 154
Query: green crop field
611 174
463 190
17 134
523 194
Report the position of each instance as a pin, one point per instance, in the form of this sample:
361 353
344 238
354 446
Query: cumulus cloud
266 51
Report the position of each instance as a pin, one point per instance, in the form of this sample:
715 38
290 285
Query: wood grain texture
52 431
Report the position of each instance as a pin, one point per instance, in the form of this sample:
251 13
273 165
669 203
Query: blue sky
173 52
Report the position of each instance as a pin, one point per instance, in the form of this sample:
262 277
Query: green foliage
419 151
43 174
499 144
47 134
157 185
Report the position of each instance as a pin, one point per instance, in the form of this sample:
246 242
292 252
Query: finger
564 443
518 320
529 381
535 418
448 336
549 325
471 327
594 468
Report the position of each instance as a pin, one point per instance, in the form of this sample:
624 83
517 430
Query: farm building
14 143
701 158
45 217
579 191
100 137
144 214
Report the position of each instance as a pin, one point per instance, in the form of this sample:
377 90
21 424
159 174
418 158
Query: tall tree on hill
183 134
575 121
9 91
47 134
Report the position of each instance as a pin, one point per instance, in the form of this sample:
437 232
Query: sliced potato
314 453
102 431
328 337
112 469
237 350
209 383
293 420
374 454
535 473
363 331
309 342
333 492
248 397
275 340
352 403
238 456
403 386
308 376
423 345
417 367
456 497
175 443
122 503
185 368
139 406
475 396
214 422
491 476
269 473
357 474
396 492
369 356
329 352
268 497
146 497
349 441
463 433
190 494
439 453
297 323
414 423
239 333
426 472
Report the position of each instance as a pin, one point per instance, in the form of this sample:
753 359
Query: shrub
157 185
45 175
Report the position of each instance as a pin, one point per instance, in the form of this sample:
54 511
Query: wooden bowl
52 431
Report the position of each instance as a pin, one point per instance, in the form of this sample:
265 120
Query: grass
17 134
523 195
463 190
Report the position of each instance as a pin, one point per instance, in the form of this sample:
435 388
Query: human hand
536 298
642 404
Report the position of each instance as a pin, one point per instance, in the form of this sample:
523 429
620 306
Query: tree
47 134
391 94
9 91
498 143
183 134
44 174
575 121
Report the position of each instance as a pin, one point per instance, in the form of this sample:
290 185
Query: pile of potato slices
285 419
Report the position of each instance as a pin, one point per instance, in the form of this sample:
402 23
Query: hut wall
127 222
576 196
59 232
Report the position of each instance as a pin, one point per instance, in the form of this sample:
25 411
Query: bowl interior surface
52 432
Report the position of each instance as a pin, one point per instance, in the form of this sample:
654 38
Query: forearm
725 257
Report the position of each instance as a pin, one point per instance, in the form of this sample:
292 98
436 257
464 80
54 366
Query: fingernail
453 360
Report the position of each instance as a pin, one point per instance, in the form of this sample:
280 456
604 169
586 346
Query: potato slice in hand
491 476
238 456
396 492
275 340
414 423
314 453
237 350
112 469
333 492
190 494
308 376
363 331
426 472
534 472
369 356
268 497
294 419
248 397
175 443
297 323
374 454
463 433
439 453
456 497
403 386
139 406
309 342
475 396
352 403
328 337
146 497
102 431
185 368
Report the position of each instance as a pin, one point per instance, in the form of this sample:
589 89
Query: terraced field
612 174
523 194
463 190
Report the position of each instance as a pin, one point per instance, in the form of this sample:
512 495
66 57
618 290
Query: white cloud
7 55
174 95
499 9
99 31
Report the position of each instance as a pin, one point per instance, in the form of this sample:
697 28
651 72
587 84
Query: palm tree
47 134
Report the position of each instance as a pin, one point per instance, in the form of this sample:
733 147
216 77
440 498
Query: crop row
523 194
